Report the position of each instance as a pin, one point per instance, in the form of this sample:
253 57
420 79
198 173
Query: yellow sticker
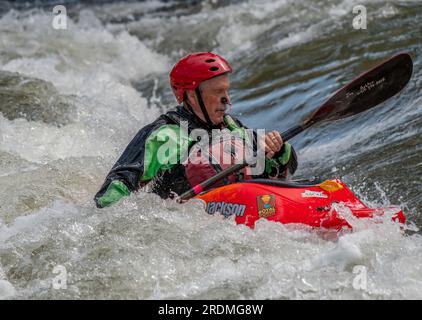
266 205
330 185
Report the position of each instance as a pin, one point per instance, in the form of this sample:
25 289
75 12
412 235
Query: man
200 84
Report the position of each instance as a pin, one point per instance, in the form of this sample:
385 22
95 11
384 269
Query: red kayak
310 203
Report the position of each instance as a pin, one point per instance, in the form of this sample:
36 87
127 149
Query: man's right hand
272 143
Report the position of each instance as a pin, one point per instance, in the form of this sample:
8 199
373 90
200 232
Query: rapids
71 100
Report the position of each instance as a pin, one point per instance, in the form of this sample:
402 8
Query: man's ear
191 97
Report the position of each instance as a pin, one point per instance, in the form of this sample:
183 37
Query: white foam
344 253
89 63
7 290
296 38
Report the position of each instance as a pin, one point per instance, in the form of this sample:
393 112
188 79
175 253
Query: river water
71 100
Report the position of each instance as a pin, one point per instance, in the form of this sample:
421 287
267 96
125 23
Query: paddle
365 92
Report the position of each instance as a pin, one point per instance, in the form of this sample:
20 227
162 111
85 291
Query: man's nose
225 100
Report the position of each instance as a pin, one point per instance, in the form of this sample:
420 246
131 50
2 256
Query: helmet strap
186 101
203 109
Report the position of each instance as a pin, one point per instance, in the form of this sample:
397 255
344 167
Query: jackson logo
313 194
266 205
226 208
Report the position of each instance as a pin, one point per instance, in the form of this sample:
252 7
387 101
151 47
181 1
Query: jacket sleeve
282 163
142 160
125 175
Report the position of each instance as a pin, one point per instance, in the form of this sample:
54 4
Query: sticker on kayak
226 208
266 205
313 194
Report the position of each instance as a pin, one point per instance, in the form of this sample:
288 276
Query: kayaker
200 84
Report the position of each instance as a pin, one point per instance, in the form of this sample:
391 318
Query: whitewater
71 100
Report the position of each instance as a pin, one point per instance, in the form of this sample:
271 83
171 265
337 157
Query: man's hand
115 191
273 143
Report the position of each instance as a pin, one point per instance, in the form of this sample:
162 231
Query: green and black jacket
138 165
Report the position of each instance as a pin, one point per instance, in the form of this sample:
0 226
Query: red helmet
190 71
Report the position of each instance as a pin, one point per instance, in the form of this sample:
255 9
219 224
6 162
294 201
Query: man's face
213 91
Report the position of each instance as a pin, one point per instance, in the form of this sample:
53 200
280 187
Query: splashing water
72 99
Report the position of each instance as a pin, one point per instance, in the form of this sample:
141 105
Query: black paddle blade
366 91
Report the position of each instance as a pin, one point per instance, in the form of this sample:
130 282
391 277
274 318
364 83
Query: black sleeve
130 166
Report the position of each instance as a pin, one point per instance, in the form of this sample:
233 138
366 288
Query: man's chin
218 120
